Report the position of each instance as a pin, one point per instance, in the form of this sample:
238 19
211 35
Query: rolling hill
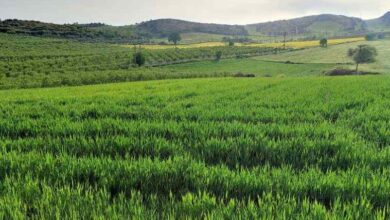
94 32
380 24
316 26
326 24
162 27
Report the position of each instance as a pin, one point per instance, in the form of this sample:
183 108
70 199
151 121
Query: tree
362 54
218 55
284 39
231 43
139 58
324 42
174 37
370 37
381 36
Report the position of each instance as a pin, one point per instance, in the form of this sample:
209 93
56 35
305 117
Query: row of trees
139 58
375 36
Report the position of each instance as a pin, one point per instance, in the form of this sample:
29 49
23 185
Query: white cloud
217 11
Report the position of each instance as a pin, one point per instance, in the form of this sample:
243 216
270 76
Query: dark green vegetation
27 62
311 148
174 37
271 138
157 31
315 26
163 27
89 32
324 42
362 54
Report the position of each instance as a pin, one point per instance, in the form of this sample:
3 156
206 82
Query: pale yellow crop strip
291 44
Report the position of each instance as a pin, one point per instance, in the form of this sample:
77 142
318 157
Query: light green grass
252 65
230 148
337 54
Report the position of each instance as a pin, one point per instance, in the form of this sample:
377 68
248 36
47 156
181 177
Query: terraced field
308 147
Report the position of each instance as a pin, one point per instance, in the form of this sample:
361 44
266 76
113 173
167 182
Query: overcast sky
121 12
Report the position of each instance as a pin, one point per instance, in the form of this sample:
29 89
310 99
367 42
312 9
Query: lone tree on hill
362 54
324 42
174 37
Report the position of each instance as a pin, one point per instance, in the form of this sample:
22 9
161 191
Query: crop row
179 176
25 197
16 67
250 127
263 147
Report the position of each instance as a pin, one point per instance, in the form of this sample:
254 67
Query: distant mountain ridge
315 26
380 24
164 27
325 23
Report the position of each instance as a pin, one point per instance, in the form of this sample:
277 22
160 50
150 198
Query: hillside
95 32
316 26
380 24
323 25
163 27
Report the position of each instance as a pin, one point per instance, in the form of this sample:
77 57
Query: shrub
362 54
266 75
139 59
346 72
239 74
370 37
324 42
218 55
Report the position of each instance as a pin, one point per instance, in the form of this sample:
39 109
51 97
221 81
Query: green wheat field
85 134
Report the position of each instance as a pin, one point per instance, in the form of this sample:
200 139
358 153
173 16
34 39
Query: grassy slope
338 54
251 65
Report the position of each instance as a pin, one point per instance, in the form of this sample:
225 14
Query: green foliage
164 27
233 148
370 37
324 42
174 37
139 59
218 55
231 43
94 32
34 62
317 25
363 54
375 36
